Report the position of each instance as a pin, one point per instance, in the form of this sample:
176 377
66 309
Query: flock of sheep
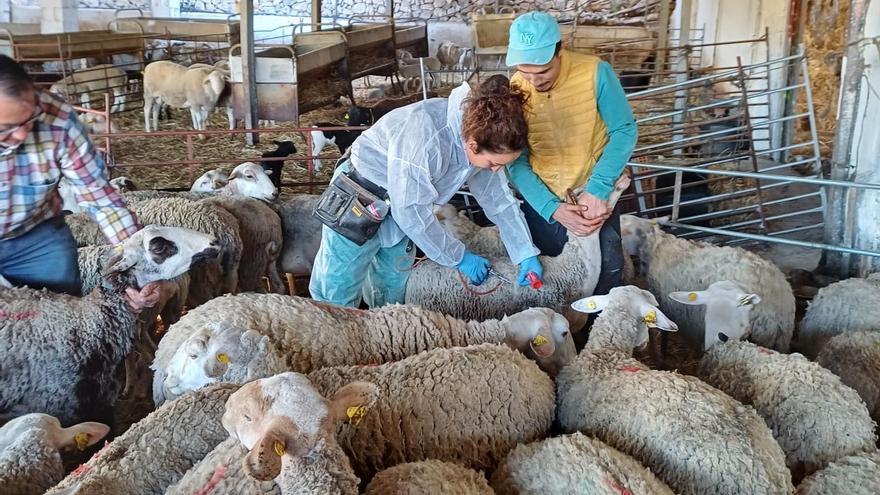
453 392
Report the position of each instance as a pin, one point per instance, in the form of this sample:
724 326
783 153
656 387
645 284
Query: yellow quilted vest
566 133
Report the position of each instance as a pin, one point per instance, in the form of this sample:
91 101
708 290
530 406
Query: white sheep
289 428
247 179
221 471
97 123
157 450
468 405
846 306
210 181
429 477
855 358
567 277
815 417
30 451
853 475
65 350
68 193
92 80
670 264
165 82
693 436
573 463
187 357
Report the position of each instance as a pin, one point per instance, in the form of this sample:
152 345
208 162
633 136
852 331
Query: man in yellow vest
581 134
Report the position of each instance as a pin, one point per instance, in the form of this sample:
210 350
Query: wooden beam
316 14
248 70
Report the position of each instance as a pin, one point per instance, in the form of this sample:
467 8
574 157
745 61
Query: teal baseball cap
533 38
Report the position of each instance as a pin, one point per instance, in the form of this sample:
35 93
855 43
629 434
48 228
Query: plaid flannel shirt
29 174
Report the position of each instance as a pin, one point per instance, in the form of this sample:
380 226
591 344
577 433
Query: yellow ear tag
355 414
591 304
279 448
692 296
223 358
118 248
539 341
82 440
650 318
346 117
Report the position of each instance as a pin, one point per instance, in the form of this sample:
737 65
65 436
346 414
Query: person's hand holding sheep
145 298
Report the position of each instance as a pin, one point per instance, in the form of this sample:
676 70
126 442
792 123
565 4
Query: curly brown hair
494 117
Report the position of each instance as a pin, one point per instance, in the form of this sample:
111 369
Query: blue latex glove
476 268
529 265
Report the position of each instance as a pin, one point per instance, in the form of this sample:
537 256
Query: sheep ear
81 436
235 174
119 261
592 304
749 300
543 345
351 402
692 298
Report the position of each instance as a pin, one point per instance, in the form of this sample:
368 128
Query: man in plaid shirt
42 140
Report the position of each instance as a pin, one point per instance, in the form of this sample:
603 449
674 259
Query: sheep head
283 417
79 436
634 231
210 181
157 253
728 309
543 336
249 179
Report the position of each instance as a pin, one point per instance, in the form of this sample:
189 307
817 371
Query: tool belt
352 206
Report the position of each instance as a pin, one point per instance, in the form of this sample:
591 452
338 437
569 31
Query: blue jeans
344 272
44 257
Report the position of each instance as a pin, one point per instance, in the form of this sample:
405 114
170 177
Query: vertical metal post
681 96
748 125
422 69
316 14
248 71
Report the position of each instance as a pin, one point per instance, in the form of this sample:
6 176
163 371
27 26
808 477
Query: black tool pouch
350 209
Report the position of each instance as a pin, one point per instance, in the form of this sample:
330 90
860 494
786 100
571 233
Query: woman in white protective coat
381 197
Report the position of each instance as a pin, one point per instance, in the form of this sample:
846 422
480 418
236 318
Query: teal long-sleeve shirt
618 117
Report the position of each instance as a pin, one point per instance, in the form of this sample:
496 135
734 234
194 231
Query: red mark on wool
218 475
617 487
21 315
629 367
764 350
85 467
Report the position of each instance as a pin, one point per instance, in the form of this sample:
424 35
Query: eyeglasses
38 112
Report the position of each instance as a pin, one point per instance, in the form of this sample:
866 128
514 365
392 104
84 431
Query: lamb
573 463
855 358
302 234
30 451
846 306
815 417
429 476
412 74
247 179
210 181
468 405
694 437
289 429
567 277
320 139
198 89
853 475
94 79
358 116
187 357
670 264
65 350
156 451
273 167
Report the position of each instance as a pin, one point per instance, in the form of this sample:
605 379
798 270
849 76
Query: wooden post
662 39
248 70
316 15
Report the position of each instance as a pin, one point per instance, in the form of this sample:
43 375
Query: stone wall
114 4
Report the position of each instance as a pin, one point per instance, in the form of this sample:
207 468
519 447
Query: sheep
449 55
92 80
573 463
694 437
62 352
302 234
412 74
429 476
670 264
567 277
157 450
358 115
85 230
273 167
166 82
296 328
97 124
210 181
221 471
846 306
218 276
468 405
855 358
289 429
853 475
123 184
815 417
30 451
68 193
320 139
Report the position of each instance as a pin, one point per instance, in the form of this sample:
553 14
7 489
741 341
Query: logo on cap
527 38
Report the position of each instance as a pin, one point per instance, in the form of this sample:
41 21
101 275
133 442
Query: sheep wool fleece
853 475
469 405
417 478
